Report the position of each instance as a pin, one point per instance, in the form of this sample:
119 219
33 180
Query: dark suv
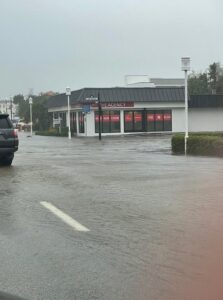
8 140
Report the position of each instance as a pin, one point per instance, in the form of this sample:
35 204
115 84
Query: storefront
134 110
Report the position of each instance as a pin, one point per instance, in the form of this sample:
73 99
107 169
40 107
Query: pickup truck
8 140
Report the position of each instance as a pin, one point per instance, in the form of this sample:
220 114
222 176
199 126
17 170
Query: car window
4 123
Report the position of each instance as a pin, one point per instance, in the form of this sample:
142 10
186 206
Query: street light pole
6 105
99 117
31 116
68 93
11 106
186 67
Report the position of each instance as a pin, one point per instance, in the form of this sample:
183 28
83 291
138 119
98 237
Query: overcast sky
50 44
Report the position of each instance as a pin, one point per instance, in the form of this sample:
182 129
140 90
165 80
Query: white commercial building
135 110
8 107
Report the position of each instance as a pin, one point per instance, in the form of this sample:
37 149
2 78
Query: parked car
4 296
8 140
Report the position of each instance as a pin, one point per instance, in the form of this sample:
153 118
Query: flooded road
155 221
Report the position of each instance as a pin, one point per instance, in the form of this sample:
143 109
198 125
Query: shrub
54 132
209 144
178 144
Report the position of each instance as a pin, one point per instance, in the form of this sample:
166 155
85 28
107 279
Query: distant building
8 107
165 82
145 81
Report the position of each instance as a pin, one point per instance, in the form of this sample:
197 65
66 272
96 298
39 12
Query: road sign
56 121
86 108
91 98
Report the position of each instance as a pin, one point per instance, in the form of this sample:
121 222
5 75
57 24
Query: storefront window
133 121
167 120
129 121
63 118
148 120
159 120
115 121
73 123
50 120
55 115
105 122
96 121
81 122
110 121
137 121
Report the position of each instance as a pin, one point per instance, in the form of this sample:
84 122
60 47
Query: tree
198 83
213 77
40 114
23 107
210 82
216 78
17 99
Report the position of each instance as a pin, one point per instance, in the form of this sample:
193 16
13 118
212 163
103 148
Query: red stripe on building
167 117
159 117
115 118
150 117
137 117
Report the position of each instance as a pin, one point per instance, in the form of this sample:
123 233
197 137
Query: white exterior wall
5 107
89 124
122 122
178 120
77 123
155 105
205 119
199 119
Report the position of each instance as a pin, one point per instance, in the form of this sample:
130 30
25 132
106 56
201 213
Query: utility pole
31 116
186 67
99 117
68 93
11 101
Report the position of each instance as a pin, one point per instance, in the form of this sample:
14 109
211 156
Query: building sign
114 104
86 108
92 98
57 121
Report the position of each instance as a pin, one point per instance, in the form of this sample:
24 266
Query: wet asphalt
155 221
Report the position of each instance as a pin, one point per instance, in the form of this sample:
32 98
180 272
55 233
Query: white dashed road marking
64 217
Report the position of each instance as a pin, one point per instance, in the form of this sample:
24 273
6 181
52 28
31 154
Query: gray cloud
49 44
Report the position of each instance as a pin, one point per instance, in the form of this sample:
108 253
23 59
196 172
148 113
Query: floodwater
155 220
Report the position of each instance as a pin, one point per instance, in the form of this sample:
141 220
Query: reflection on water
7 198
155 219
